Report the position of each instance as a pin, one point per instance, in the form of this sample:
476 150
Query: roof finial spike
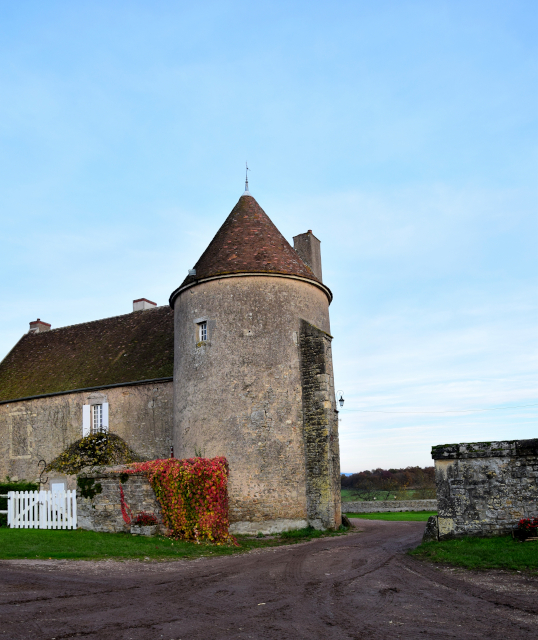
247 192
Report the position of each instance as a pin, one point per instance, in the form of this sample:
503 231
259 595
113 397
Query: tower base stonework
320 424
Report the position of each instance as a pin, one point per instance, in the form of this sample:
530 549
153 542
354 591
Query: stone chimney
142 303
38 326
308 248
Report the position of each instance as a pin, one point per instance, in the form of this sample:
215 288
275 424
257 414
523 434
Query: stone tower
253 377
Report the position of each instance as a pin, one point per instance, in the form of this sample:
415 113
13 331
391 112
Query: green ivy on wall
94 450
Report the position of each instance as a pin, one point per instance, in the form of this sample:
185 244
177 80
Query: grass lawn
419 516
90 545
482 553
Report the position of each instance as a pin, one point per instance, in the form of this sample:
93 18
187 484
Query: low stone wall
386 506
484 488
100 508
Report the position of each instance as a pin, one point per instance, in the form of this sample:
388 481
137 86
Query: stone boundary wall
102 511
484 488
387 506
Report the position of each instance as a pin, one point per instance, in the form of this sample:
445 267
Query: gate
42 509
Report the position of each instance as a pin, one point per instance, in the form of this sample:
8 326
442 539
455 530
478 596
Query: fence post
10 501
74 503
24 508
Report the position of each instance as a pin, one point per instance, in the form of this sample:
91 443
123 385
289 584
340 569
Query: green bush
8 485
94 450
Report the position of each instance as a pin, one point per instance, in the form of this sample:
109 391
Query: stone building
239 365
58 385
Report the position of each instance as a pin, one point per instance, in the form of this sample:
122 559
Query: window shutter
85 420
105 417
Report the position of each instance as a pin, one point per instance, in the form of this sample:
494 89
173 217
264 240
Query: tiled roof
248 242
136 346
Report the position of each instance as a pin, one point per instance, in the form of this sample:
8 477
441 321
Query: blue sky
403 133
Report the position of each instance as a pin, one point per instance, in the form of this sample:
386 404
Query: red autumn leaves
193 496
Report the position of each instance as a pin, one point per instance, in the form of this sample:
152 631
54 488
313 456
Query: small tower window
202 332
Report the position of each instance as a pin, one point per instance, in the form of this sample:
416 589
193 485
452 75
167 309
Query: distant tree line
389 484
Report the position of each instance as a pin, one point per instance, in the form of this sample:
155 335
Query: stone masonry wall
31 430
386 506
239 393
102 512
320 424
484 488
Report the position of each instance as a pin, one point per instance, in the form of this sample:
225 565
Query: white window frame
94 420
202 331
97 418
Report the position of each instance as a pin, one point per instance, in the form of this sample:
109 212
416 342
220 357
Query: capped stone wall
99 498
388 506
485 488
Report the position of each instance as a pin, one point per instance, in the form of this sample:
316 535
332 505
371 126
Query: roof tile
248 242
127 348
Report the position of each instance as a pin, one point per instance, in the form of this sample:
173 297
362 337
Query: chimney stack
142 303
38 326
308 248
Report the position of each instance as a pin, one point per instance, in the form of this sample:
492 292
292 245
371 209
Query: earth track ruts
361 586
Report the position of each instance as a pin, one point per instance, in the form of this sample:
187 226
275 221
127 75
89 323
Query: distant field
403 516
408 494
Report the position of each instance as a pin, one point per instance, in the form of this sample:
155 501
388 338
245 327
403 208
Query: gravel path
358 586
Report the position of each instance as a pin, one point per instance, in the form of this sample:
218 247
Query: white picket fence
42 509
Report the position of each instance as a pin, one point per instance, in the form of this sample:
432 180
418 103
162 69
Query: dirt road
358 586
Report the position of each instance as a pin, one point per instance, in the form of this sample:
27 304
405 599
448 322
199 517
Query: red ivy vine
193 496
126 512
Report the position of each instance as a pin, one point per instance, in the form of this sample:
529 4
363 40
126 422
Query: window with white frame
94 418
97 418
202 332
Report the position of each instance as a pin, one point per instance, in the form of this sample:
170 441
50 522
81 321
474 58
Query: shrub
528 525
193 496
144 519
95 449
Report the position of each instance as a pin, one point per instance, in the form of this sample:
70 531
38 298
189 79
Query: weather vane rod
246 179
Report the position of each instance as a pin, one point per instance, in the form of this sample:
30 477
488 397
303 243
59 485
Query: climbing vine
193 496
126 512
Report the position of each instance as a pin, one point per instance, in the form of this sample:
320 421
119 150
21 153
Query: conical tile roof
248 242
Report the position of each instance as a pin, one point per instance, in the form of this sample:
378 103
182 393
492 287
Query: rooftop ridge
79 324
